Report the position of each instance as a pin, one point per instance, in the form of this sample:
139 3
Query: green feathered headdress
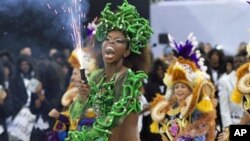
127 20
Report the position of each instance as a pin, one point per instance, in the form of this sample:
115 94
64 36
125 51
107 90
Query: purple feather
186 51
64 119
90 32
194 58
86 122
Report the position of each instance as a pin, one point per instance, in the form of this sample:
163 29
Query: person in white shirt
230 112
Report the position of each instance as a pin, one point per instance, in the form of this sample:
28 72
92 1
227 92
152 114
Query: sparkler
76 15
83 58
48 6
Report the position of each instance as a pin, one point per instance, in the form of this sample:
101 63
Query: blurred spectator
58 57
154 86
66 52
204 48
169 55
3 129
67 70
201 47
242 47
46 97
207 48
21 96
5 105
230 112
19 83
239 59
216 59
247 58
155 80
26 51
63 121
228 66
52 52
6 56
7 74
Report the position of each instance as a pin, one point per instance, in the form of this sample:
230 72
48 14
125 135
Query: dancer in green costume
112 94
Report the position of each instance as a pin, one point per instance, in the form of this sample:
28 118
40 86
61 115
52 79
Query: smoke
39 24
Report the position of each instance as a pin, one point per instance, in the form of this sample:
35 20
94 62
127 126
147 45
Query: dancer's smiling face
181 91
115 47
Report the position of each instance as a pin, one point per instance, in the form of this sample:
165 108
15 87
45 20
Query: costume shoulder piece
241 92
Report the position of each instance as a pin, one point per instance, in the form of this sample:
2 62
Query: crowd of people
129 95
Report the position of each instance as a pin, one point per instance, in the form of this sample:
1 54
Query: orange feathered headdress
189 69
181 71
82 58
241 92
73 60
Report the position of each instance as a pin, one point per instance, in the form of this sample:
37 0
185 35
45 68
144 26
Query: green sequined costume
112 102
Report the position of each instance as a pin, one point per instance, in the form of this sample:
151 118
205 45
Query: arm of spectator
35 104
47 104
3 95
54 113
16 98
224 100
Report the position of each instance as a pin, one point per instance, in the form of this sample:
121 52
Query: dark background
31 23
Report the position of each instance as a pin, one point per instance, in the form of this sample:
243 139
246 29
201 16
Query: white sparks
48 6
76 16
